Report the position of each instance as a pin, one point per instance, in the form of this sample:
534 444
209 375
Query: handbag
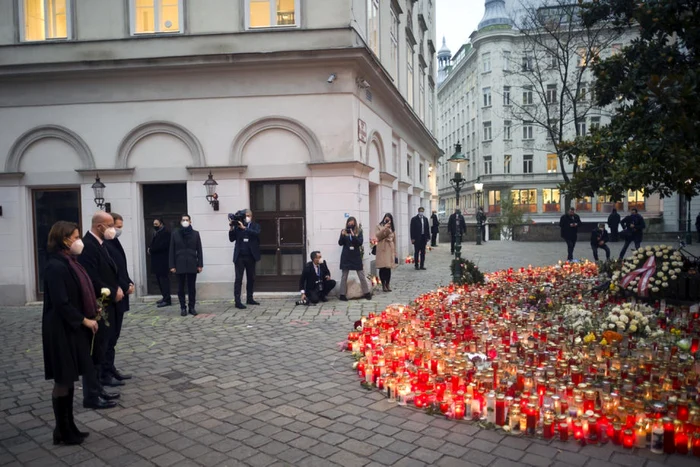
374 250
396 260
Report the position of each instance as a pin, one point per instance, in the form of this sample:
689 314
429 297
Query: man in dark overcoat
568 225
614 224
186 260
116 251
434 228
455 225
420 235
104 274
246 253
633 226
159 250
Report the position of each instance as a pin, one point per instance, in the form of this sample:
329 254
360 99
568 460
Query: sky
456 20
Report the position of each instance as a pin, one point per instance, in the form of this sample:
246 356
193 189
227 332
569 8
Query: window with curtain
526 199
373 25
635 200
394 35
155 16
552 163
45 19
272 13
551 199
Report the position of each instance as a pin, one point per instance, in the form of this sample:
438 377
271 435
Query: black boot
63 433
240 304
71 419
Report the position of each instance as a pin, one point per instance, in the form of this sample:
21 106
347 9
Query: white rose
654 289
647 330
665 256
648 248
664 285
611 326
659 254
650 253
674 277
105 291
633 328
577 340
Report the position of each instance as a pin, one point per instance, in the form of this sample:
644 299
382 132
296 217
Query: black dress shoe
119 375
250 301
111 382
342 298
183 312
368 296
240 306
99 403
110 396
324 299
422 268
163 304
193 312
416 267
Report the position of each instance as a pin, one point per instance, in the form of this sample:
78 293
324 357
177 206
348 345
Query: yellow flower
603 342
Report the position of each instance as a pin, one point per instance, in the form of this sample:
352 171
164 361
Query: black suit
313 284
246 253
103 272
569 233
186 257
434 229
420 234
597 236
116 251
452 228
159 251
614 223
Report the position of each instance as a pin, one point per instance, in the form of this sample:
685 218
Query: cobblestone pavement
265 386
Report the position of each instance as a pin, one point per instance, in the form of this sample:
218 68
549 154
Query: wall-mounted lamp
98 189
212 197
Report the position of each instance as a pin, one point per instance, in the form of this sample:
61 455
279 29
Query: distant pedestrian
455 226
614 224
633 226
387 258
599 239
351 258
481 223
158 250
569 224
186 261
420 235
697 226
434 228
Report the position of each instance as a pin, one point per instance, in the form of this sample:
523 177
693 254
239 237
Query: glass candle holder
628 439
669 436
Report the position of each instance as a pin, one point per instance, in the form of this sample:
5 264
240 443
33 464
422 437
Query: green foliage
511 216
652 142
470 272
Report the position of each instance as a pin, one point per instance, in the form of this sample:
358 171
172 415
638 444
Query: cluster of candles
482 353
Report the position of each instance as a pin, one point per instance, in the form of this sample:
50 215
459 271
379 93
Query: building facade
488 102
305 111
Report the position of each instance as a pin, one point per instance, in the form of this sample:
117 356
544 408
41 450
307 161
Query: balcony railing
286 18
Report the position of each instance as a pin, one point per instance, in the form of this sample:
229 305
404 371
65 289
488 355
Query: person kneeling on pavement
599 239
315 282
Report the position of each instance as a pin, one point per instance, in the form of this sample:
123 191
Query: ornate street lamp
98 189
212 197
479 189
457 183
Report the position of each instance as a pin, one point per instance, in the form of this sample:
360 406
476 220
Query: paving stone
572 458
348 459
534 459
478 457
508 452
482 445
386 457
426 455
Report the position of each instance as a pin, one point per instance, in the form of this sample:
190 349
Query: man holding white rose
104 273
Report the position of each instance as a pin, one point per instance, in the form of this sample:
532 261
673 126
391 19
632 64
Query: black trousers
483 232
99 368
115 330
191 280
164 286
315 296
244 263
570 245
628 240
419 253
605 248
385 276
433 239
453 240
614 234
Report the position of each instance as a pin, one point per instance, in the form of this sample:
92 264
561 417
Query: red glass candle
696 444
531 418
682 411
628 439
563 431
682 443
500 410
459 410
548 429
669 436
578 430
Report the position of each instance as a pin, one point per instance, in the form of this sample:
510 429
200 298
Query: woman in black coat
67 325
159 250
351 258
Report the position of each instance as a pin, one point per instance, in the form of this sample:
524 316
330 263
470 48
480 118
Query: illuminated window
272 13
551 198
635 200
552 163
494 201
373 25
526 199
155 16
45 19
584 204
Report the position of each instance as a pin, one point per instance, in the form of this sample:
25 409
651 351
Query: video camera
238 216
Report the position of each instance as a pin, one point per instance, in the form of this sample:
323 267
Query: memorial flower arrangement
101 317
542 352
650 270
469 272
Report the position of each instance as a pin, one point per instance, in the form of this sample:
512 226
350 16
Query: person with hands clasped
186 261
246 253
568 225
351 258
67 325
386 251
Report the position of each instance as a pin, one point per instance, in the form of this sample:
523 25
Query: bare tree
552 73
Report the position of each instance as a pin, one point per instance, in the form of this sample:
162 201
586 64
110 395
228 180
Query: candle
578 430
500 410
459 410
640 436
548 429
563 431
696 444
657 437
669 436
682 443
628 439
491 407
682 410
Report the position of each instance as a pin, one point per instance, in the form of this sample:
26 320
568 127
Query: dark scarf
87 291
187 231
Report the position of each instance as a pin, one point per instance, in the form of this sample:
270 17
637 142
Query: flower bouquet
652 270
409 259
469 272
629 318
101 317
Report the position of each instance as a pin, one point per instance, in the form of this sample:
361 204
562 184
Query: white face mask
118 233
247 220
420 214
110 233
76 247
185 224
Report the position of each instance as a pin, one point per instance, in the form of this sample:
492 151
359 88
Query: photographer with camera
315 282
246 253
